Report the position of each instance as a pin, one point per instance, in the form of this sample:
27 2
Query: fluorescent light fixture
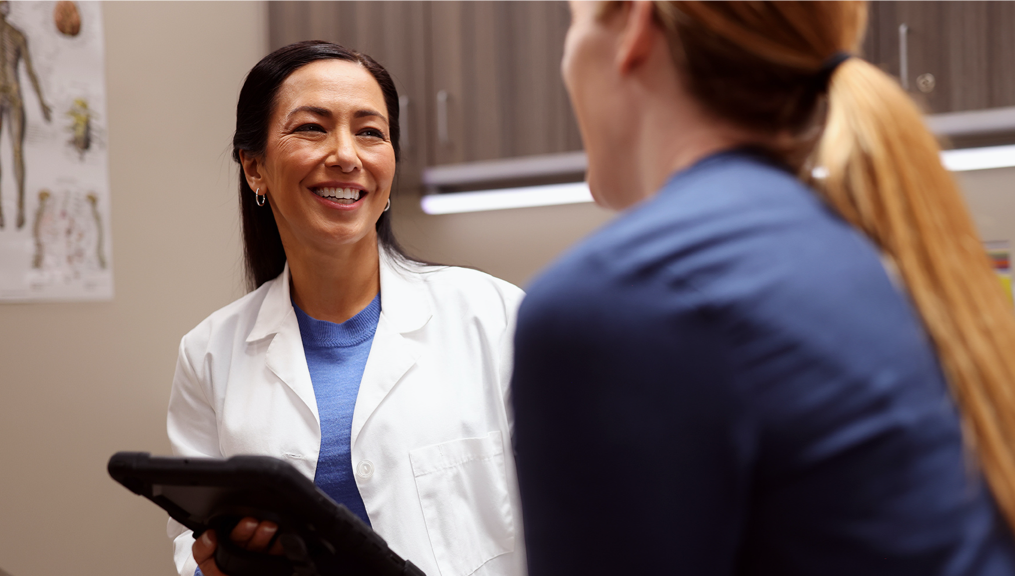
526 197
578 192
979 158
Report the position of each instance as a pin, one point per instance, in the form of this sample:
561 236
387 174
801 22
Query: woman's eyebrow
367 112
325 113
316 110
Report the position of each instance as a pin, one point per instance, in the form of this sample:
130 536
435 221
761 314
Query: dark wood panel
1001 54
540 110
483 94
869 49
967 46
288 22
499 63
447 46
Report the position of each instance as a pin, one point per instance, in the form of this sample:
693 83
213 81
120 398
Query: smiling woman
274 100
326 171
382 378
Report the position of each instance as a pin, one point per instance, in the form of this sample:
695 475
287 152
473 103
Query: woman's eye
373 132
309 128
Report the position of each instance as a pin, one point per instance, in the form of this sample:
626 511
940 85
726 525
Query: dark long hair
263 255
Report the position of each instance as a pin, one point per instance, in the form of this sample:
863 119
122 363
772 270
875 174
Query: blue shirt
336 356
725 381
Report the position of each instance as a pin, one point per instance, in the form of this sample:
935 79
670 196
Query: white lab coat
431 431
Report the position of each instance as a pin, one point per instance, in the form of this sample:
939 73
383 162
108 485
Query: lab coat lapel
405 308
285 356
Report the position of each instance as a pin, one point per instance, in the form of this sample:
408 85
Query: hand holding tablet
316 536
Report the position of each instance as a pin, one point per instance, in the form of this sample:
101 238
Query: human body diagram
14 49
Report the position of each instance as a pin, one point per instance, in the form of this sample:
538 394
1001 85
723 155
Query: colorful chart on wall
999 252
54 177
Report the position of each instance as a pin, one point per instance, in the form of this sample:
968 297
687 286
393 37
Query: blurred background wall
81 381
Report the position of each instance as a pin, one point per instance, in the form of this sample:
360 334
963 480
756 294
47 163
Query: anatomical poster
54 177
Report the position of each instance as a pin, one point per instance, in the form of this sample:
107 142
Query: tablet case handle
233 559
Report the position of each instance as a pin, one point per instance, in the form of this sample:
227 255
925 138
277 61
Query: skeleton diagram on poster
54 183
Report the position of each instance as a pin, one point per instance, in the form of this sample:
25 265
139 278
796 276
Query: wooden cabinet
497 90
479 80
953 56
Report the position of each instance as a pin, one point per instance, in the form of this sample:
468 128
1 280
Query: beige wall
510 244
81 381
991 198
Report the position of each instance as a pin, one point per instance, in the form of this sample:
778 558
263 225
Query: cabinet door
918 55
538 108
980 54
954 56
496 89
1001 53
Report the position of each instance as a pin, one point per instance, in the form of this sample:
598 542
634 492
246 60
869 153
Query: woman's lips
339 195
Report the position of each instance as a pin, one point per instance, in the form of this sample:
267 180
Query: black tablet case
320 537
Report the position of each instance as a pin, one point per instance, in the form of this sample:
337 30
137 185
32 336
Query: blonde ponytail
761 66
884 175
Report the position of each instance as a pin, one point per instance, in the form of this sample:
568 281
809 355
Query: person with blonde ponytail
751 370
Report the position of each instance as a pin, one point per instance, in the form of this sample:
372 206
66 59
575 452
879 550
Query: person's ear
636 37
251 170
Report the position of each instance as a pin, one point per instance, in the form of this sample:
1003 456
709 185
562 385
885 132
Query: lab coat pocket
462 488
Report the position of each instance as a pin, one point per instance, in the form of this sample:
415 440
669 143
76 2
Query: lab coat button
365 469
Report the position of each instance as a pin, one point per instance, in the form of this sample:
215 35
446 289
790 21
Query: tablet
320 537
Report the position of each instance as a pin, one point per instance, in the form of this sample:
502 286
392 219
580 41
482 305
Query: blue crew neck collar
742 153
356 330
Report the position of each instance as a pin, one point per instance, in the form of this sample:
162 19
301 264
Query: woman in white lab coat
427 447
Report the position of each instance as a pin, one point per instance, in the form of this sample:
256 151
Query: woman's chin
608 196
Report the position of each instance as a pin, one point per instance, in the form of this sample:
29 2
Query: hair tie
824 74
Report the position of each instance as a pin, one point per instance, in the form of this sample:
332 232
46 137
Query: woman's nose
343 153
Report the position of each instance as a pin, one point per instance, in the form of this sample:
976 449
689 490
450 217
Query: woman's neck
672 130
673 138
335 286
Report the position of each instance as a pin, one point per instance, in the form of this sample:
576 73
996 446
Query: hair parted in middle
264 256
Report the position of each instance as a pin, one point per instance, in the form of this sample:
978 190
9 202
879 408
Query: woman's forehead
330 81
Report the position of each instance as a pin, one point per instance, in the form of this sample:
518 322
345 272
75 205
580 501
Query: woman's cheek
383 163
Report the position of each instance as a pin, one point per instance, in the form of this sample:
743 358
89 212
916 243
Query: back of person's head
775 68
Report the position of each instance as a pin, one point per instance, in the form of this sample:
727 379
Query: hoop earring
388 206
260 199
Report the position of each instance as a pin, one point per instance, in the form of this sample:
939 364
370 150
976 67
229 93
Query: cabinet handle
403 122
442 118
904 56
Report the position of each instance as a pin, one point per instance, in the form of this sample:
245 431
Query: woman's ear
251 170
637 36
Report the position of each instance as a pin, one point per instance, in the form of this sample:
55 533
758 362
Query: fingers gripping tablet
318 536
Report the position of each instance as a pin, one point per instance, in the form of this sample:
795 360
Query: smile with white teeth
339 195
